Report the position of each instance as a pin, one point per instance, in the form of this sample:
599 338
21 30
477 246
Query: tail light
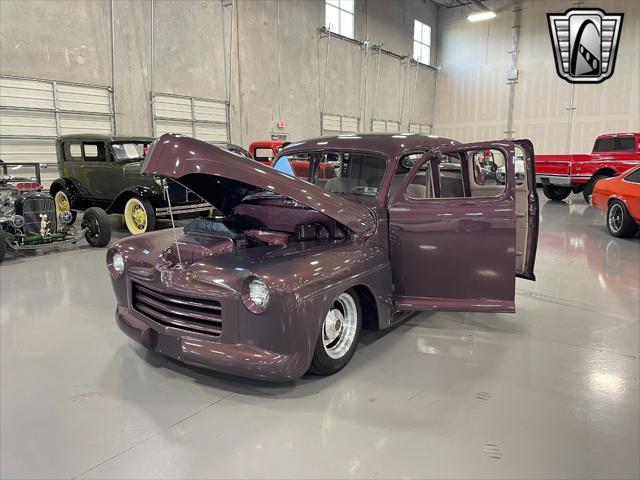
28 186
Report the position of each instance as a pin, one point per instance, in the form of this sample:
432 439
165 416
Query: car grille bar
196 315
32 208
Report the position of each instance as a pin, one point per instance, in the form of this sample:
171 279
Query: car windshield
129 151
19 172
346 173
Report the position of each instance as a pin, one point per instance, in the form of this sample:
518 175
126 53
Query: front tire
98 227
338 335
588 188
555 193
619 221
139 215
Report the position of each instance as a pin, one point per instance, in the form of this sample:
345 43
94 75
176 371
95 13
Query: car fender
72 189
117 206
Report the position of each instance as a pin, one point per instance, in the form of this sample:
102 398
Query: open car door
453 228
527 220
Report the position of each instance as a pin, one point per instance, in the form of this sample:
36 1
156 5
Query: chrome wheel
340 327
616 218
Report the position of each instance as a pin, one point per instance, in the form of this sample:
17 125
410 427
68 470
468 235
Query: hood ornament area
585 43
44 225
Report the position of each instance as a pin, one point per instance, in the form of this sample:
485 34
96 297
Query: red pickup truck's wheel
588 188
553 192
619 221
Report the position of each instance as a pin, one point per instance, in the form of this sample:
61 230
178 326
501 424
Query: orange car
620 198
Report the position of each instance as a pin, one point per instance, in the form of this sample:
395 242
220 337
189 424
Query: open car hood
224 179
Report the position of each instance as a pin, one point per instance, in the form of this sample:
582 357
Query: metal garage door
201 118
333 123
34 112
420 128
382 126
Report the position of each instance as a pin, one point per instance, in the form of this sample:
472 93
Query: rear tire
619 221
98 227
588 188
139 215
3 244
555 193
338 335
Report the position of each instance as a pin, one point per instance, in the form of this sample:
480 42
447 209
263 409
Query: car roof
614 135
107 138
390 144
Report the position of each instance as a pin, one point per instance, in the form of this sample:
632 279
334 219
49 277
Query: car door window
94 152
633 177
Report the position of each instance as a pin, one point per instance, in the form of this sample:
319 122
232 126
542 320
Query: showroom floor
549 392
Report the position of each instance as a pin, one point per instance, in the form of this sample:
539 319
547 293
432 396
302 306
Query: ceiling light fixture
477 17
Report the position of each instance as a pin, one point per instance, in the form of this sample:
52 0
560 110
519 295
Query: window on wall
421 42
339 17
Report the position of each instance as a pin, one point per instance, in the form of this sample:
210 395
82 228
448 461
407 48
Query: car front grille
192 314
32 208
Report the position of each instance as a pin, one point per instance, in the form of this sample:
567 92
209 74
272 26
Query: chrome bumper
183 209
560 180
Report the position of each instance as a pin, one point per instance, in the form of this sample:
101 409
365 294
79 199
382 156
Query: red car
264 151
620 198
562 174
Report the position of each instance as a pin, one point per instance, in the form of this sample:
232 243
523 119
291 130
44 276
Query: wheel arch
607 171
369 306
68 185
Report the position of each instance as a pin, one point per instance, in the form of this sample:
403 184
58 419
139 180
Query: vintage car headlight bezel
254 287
17 221
118 263
65 217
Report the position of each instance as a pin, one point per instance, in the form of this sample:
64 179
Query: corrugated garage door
420 128
34 112
333 123
383 126
201 118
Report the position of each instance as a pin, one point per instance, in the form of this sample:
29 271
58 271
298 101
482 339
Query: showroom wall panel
472 92
277 58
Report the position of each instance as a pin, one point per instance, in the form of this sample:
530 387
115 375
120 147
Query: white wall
472 92
70 40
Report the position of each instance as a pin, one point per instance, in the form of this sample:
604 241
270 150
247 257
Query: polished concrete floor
550 392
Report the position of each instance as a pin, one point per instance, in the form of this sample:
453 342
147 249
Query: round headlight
17 221
256 298
65 217
159 180
118 262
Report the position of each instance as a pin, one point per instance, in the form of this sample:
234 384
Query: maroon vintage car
283 282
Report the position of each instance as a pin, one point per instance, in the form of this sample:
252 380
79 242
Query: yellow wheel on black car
139 215
62 202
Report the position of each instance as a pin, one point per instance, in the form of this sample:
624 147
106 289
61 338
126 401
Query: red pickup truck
562 174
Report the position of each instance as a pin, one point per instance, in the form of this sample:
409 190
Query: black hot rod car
28 216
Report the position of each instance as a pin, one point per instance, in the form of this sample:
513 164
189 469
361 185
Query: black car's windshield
129 151
19 172
346 173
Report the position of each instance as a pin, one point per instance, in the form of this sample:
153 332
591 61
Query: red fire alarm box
282 124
